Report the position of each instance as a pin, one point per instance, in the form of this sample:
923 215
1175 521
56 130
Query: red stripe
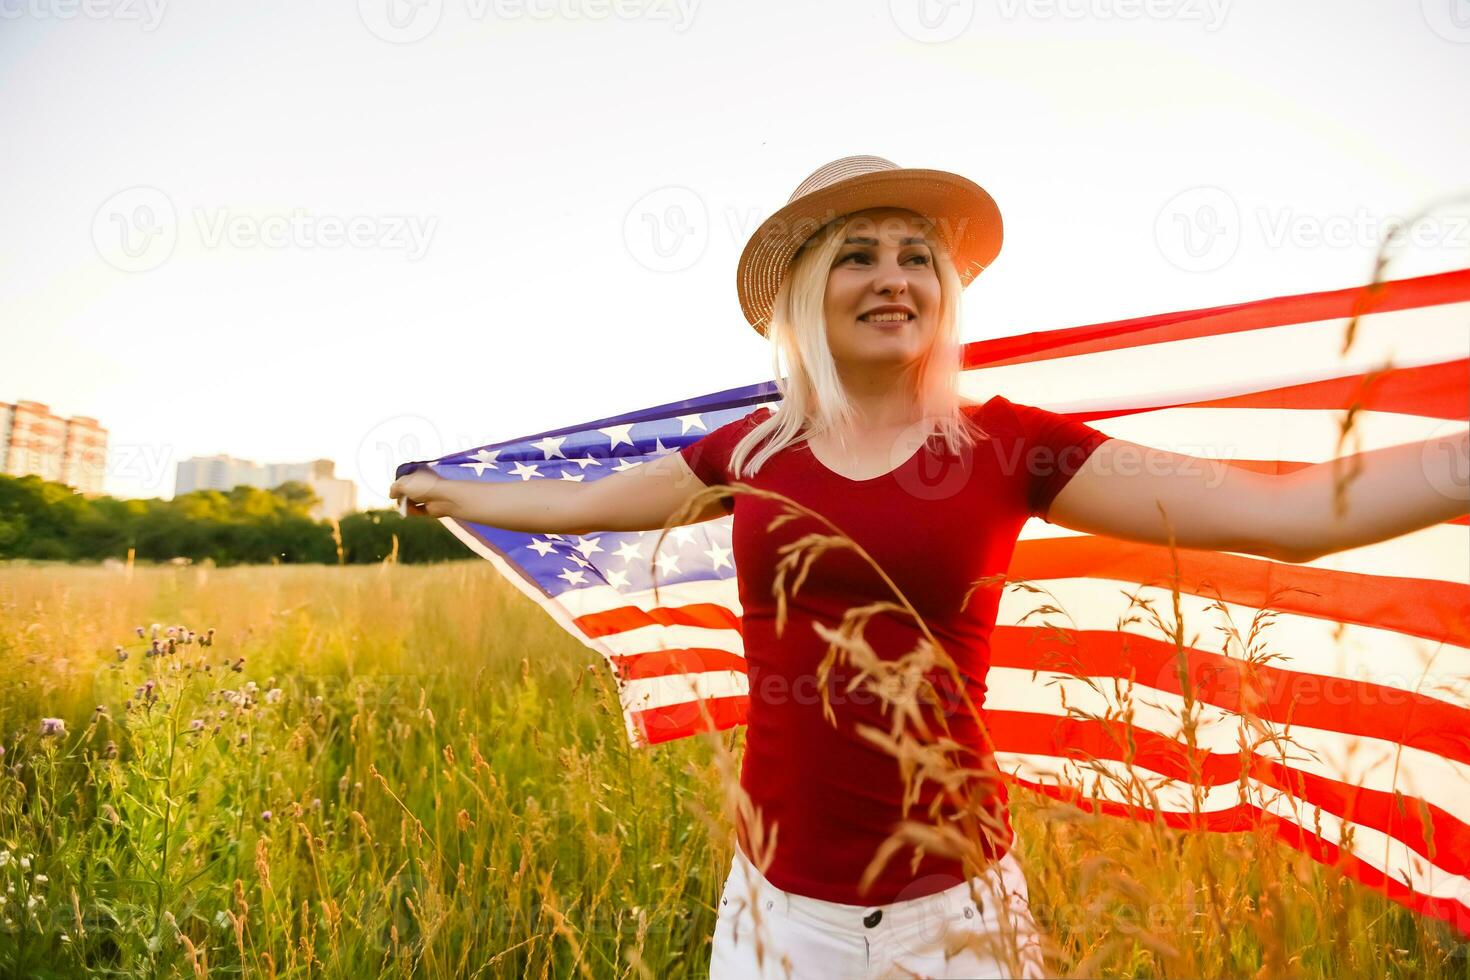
710 615
673 721
1448 287
1428 608
1431 390
1396 814
1247 817
664 663
1335 704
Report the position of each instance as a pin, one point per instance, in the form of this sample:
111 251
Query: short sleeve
709 455
1054 447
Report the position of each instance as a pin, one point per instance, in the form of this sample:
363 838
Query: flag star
682 535
586 461
579 560
718 556
524 470
551 446
575 478
618 433
687 422
588 546
617 579
541 547
668 564
626 463
554 537
629 551
573 577
659 449
485 459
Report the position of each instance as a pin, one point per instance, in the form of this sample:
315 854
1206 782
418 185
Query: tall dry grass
413 772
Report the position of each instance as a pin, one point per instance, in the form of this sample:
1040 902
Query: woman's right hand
419 493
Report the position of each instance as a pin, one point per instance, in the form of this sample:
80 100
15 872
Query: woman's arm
1128 491
642 498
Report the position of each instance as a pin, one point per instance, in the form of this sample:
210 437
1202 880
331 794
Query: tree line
43 520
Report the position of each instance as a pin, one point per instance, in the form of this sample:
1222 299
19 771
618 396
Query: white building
224 473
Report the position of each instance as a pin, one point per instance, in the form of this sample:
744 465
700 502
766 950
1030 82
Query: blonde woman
856 283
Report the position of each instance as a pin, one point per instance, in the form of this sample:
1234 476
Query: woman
856 282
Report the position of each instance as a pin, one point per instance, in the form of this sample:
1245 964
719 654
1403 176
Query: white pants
762 931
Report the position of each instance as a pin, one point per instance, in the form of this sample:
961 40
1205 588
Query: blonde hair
813 400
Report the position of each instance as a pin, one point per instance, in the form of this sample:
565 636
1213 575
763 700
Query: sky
393 229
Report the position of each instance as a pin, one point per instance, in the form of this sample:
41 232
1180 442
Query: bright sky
393 230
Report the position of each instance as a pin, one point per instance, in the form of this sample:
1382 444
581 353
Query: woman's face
882 300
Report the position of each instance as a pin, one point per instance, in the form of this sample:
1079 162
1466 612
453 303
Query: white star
541 547
618 433
688 422
682 535
554 537
668 564
625 464
524 470
588 546
579 561
485 459
586 461
575 478
717 555
617 579
659 449
629 551
573 577
551 446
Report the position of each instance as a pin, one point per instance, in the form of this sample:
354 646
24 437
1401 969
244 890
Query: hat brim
964 215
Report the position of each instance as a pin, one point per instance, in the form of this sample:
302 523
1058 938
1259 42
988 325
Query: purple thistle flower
52 726
266 816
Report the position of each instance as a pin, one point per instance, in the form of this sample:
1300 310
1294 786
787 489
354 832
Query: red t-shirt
935 524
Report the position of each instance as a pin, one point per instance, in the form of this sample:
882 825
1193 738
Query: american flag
1311 698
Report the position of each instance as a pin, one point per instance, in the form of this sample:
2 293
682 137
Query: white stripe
1307 435
601 598
1293 642
659 692
1211 367
1440 552
1372 763
1368 844
658 637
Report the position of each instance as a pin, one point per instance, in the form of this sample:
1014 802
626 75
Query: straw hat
964 216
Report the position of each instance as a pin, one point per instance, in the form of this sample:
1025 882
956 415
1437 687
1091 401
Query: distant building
224 473
33 441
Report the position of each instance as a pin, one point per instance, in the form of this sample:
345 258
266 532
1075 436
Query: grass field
410 771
